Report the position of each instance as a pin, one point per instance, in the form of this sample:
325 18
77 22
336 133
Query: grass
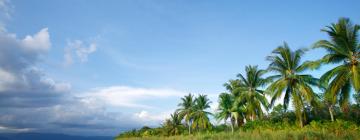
299 134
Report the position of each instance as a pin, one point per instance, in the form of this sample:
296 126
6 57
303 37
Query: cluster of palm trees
246 97
252 94
285 78
192 111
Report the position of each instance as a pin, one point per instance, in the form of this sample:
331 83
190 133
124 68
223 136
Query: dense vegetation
321 107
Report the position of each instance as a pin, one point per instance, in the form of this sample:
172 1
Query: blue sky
136 58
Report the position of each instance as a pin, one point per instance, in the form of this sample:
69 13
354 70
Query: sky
101 67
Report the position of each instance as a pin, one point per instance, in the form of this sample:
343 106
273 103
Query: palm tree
287 66
330 101
250 94
173 125
238 110
187 107
226 102
232 86
200 115
343 49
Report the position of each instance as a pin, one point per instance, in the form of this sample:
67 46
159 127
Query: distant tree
173 125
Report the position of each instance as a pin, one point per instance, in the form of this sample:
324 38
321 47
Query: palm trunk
189 125
232 120
301 119
299 116
331 112
232 128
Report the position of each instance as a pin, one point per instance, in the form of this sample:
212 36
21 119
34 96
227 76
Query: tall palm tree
187 107
343 49
289 80
200 115
251 94
226 102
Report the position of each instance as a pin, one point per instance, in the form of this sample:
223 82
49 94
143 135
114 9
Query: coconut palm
187 107
289 80
250 93
225 112
343 49
238 109
173 125
238 112
232 86
200 115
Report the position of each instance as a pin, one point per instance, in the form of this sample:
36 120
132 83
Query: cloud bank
32 101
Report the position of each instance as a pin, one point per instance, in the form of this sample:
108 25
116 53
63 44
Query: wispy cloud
80 49
11 130
5 13
125 96
152 119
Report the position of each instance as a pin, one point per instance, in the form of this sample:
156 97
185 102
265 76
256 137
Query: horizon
95 68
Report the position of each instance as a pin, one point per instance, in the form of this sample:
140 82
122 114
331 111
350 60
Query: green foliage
224 112
251 96
187 107
342 49
289 80
254 130
200 115
244 104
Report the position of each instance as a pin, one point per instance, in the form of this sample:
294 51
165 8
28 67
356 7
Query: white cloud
5 129
39 41
146 116
68 60
18 59
83 52
5 7
152 119
131 97
80 49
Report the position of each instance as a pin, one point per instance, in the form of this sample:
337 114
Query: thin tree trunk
232 127
232 121
331 113
299 116
189 125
